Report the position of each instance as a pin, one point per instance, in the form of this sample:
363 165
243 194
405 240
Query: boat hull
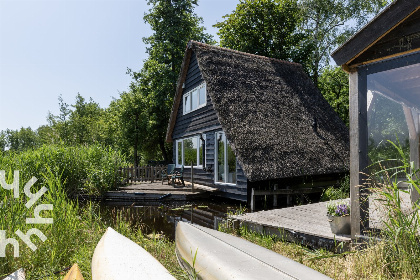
217 255
74 273
17 275
118 258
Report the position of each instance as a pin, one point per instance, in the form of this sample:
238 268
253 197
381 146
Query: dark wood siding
204 121
198 121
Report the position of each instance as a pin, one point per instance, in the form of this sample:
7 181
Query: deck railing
141 174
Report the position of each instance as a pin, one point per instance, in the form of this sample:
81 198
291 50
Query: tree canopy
265 27
174 23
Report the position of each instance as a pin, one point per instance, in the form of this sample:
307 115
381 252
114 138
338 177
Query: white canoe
17 275
223 256
118 258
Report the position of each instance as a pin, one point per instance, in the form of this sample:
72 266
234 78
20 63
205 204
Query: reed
76 229
83 169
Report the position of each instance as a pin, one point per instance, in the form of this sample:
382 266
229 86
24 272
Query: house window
195 99
189 150
225 171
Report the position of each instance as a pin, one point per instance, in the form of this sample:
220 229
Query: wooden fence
141 174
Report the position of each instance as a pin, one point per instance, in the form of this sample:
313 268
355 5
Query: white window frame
216 165
190 93
178 162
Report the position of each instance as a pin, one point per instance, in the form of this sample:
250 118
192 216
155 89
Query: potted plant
338 213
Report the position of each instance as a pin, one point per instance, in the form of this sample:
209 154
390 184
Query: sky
50 48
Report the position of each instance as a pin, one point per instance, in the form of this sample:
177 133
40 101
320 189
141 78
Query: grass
361 264
72 237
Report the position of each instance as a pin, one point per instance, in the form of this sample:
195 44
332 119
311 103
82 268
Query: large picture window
225 172
189 150
195 99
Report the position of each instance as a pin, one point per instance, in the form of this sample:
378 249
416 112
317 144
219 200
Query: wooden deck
146 192
306 224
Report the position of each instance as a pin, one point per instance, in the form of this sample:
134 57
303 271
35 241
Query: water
161 219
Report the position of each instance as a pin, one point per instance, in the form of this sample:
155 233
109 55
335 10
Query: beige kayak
17 275
74 273
118 258
216 255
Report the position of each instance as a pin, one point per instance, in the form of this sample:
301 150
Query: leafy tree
3 141
82 125
265 27
132 121
174 23
329 23
47 135
334 86
85 121
21 140
304 31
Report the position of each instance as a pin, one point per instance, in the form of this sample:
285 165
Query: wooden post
412 124
289 198
191 213
252 200
359 203
192 177
275 196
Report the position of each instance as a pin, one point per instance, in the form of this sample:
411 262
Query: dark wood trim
178 94
392 63
376 29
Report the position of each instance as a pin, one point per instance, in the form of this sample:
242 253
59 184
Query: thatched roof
275 119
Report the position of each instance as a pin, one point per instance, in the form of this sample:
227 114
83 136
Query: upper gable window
195 99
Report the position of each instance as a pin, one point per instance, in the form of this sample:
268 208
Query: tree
334 86
265 27
85 121
82 125
21 140
304 31
174 23
3 141
329 23
131 119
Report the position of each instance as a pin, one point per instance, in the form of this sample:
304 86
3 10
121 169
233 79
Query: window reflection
393 107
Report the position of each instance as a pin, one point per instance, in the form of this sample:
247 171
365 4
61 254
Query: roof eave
178 93
373 31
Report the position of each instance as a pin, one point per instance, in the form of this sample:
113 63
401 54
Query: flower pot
339 225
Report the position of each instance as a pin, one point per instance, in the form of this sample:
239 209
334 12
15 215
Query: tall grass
83 169
76 229
401 248
71 238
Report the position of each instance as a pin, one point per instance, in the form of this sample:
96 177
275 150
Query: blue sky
54 47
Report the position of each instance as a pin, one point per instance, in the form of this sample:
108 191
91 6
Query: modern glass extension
393 110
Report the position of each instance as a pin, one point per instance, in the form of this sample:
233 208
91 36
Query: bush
82 169
340 192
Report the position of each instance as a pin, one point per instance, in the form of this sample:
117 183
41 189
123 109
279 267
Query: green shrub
340 192
83 169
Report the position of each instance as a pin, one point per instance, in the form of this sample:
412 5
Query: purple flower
342 210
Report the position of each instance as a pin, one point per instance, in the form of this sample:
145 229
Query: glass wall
393 99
